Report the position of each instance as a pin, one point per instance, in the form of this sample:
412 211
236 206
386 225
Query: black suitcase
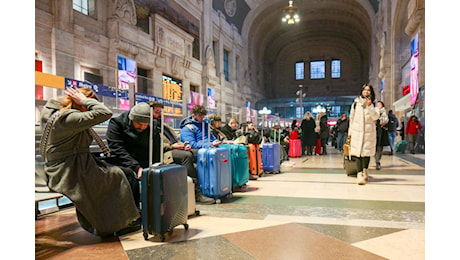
349 164
164 195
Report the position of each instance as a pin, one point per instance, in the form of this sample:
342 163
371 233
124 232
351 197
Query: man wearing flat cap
128 138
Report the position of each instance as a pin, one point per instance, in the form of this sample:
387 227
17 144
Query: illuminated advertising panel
127 72
248 111
195 99
414 70
211 98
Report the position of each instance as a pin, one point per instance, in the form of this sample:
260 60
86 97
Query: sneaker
253 177
365 174
360 177
242 188
201 199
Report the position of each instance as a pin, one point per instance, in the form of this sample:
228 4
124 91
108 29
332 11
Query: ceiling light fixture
291 16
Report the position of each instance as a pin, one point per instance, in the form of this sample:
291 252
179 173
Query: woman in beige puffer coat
362 130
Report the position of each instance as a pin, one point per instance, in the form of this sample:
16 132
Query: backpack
253 137
391 124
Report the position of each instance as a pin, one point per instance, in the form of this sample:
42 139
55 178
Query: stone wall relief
125 47
160 61
126 10
210 64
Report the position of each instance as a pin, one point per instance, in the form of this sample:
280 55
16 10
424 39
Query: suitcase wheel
197 212
186 226
146 236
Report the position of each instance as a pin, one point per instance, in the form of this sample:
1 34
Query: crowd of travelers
106 194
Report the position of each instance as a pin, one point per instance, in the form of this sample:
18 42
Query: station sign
99 89
170 107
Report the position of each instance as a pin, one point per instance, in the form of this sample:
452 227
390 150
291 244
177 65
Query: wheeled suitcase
401 146
295 148
271 157
214 170
349 164
164 194
239 163
191 198
318 146
255 159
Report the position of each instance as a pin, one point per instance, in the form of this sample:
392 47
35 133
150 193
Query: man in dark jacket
128 138
342 131
393 124
230 129
252 134
324 131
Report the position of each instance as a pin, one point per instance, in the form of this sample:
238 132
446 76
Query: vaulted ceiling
329 29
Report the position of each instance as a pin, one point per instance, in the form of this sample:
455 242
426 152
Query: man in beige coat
362 130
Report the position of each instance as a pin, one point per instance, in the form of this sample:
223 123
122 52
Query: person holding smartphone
362 131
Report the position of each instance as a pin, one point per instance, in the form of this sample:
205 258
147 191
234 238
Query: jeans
341 139
392 136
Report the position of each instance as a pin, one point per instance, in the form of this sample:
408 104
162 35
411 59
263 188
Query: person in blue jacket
192 129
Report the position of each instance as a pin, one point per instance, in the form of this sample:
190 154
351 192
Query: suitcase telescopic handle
209 134
151 137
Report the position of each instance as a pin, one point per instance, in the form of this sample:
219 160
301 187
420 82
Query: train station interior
264 61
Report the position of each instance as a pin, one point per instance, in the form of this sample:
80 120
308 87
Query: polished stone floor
312 210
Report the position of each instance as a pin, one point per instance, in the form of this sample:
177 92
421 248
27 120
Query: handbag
242 139
346 147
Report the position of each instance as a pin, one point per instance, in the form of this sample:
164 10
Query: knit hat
140 113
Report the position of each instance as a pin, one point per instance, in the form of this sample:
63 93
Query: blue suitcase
239 163
164 194
164 198
271 159
214 170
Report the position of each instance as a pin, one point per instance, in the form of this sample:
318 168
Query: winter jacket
413 127
342 125
362 128
192 132
253 136
129 146
323 128
308 132
228 132
395 125
294 135
382 130
218 133
101 194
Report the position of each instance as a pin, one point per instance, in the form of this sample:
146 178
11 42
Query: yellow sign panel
49 80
